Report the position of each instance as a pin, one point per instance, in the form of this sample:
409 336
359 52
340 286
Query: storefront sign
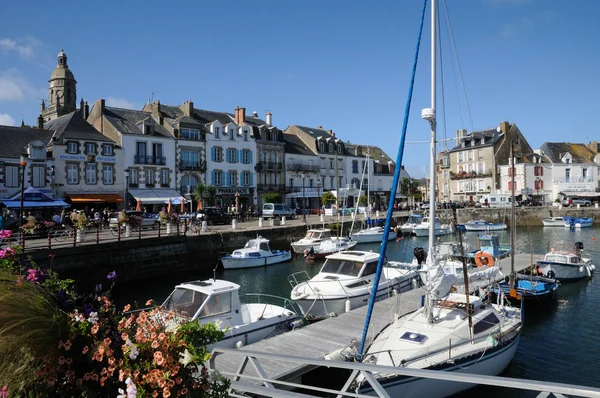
106 159
66 156
579 188
232 191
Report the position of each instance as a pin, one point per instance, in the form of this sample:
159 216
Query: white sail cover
485 274
439 284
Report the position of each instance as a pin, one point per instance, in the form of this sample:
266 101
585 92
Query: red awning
94 197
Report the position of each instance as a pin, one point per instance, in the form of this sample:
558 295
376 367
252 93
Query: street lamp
23 164
126 190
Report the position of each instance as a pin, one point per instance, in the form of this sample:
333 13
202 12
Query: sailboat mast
433 125
513 217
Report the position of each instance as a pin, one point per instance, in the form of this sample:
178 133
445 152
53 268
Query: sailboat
374 233
451 332
530 289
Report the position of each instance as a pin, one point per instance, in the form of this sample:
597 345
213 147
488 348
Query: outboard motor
420 255
578 248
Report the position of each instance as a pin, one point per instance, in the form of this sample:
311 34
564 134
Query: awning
586 194
94 197
15 204
155 196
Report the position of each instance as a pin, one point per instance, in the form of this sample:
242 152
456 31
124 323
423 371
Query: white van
496 200
277 211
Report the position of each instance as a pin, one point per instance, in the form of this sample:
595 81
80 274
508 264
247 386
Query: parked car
576 201
213 215
147 220
276 210
529 202
425 205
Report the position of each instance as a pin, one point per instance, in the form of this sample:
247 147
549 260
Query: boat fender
296 324
592 267
348 306
580 269
239 344
551 274
484 258
588 271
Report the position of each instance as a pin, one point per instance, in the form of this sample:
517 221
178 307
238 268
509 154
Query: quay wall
525 216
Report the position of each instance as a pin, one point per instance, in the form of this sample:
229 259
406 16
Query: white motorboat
216 300
371 235
566 265
313 238
256 253
345 282
554 222
413 221
330 246
439 228
482 225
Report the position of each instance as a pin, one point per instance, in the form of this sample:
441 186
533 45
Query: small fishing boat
217 300
482 225
489 243
371 235
554 222
313 238
413 221
578 222
330 246
345 282
566 265
439 228
531 289
256 253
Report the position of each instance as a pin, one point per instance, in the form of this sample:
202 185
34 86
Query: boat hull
372 238
245 262
438 231
238 337
492 363
565 272
485 227
557 222
530 298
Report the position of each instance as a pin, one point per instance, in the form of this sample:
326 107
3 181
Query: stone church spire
62 90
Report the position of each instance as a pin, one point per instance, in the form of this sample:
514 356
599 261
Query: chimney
269 119
43 105
188 108
594 147
81 107
331 133
102 106
504 127
320 127
86 110
40 122
240 115
255 115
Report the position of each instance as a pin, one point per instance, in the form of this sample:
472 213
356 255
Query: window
471 155
332 181
460 156
190 159
321 147
488 322
150 177
231 155
265 156
246 156
107 150
567 175
584 173
231 135
217 154
331 147
355 166
218 177
90 173
480 154
133 177
164 177
233 178
217 132
291 185
189 181
310 182
107 174
157 152
90 148
339 149
190 134
72 147
11 176
39 176
331 164
245 135
72 174
141 152
245 178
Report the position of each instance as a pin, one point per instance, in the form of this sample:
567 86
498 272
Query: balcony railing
155 160
271 187
473 174
298 166
192 165
264 166
573 180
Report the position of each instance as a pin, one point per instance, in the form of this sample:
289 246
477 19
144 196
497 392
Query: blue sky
341 64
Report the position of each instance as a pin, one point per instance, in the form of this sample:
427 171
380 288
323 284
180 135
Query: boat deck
321 338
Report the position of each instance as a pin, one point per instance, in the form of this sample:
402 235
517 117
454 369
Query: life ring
484 258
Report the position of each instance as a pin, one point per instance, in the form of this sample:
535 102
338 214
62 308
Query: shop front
310 196
225 197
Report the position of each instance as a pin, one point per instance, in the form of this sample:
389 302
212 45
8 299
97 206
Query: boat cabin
350 264
414 219
254 248
206 301
318 234
564 258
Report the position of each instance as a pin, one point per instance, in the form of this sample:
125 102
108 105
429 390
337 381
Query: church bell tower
62 91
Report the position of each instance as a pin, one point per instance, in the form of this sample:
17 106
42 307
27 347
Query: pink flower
33 275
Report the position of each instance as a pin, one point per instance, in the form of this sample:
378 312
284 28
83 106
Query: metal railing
572 180
192 165
299 166
277 166
264 386
155 160
270 187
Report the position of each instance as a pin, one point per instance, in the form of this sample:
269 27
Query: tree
203 192
363 201
328 198
272 197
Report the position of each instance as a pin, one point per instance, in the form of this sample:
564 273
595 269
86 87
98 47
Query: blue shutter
212 177
251 177
227 157
238 155
212 155
250 160
227 178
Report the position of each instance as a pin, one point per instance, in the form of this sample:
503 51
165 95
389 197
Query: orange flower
95 329
67 345
121 375
154 394
161 336
87 376
149 302
107 341
124 336
127 308
85 350
95 377
69 361
166 393
136 373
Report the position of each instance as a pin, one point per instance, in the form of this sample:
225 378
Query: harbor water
557 344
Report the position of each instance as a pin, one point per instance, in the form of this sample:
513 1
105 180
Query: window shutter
250 160
212 177
541 184
212 157
541 171
251 176
238 155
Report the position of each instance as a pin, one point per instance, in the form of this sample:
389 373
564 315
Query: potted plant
165 219
80 223
30 225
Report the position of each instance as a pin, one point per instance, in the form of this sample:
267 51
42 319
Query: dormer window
231 135
90 148
331 147
339 149
321 146
72 147
147 128
107 150
217 131
245 135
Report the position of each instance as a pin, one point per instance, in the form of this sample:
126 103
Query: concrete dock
321 338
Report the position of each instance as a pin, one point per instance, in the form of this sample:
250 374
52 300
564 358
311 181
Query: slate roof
15 139
580 153
74 126
376 154
491 137
295 146
530 158
126 121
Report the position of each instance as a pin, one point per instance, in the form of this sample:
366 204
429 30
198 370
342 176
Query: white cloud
122 103
6 120
25 46
14 87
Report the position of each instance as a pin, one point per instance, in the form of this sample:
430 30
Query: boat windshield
414 220
342 267
251 244
185 302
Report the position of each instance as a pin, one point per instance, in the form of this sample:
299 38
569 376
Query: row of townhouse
109 155
480 164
